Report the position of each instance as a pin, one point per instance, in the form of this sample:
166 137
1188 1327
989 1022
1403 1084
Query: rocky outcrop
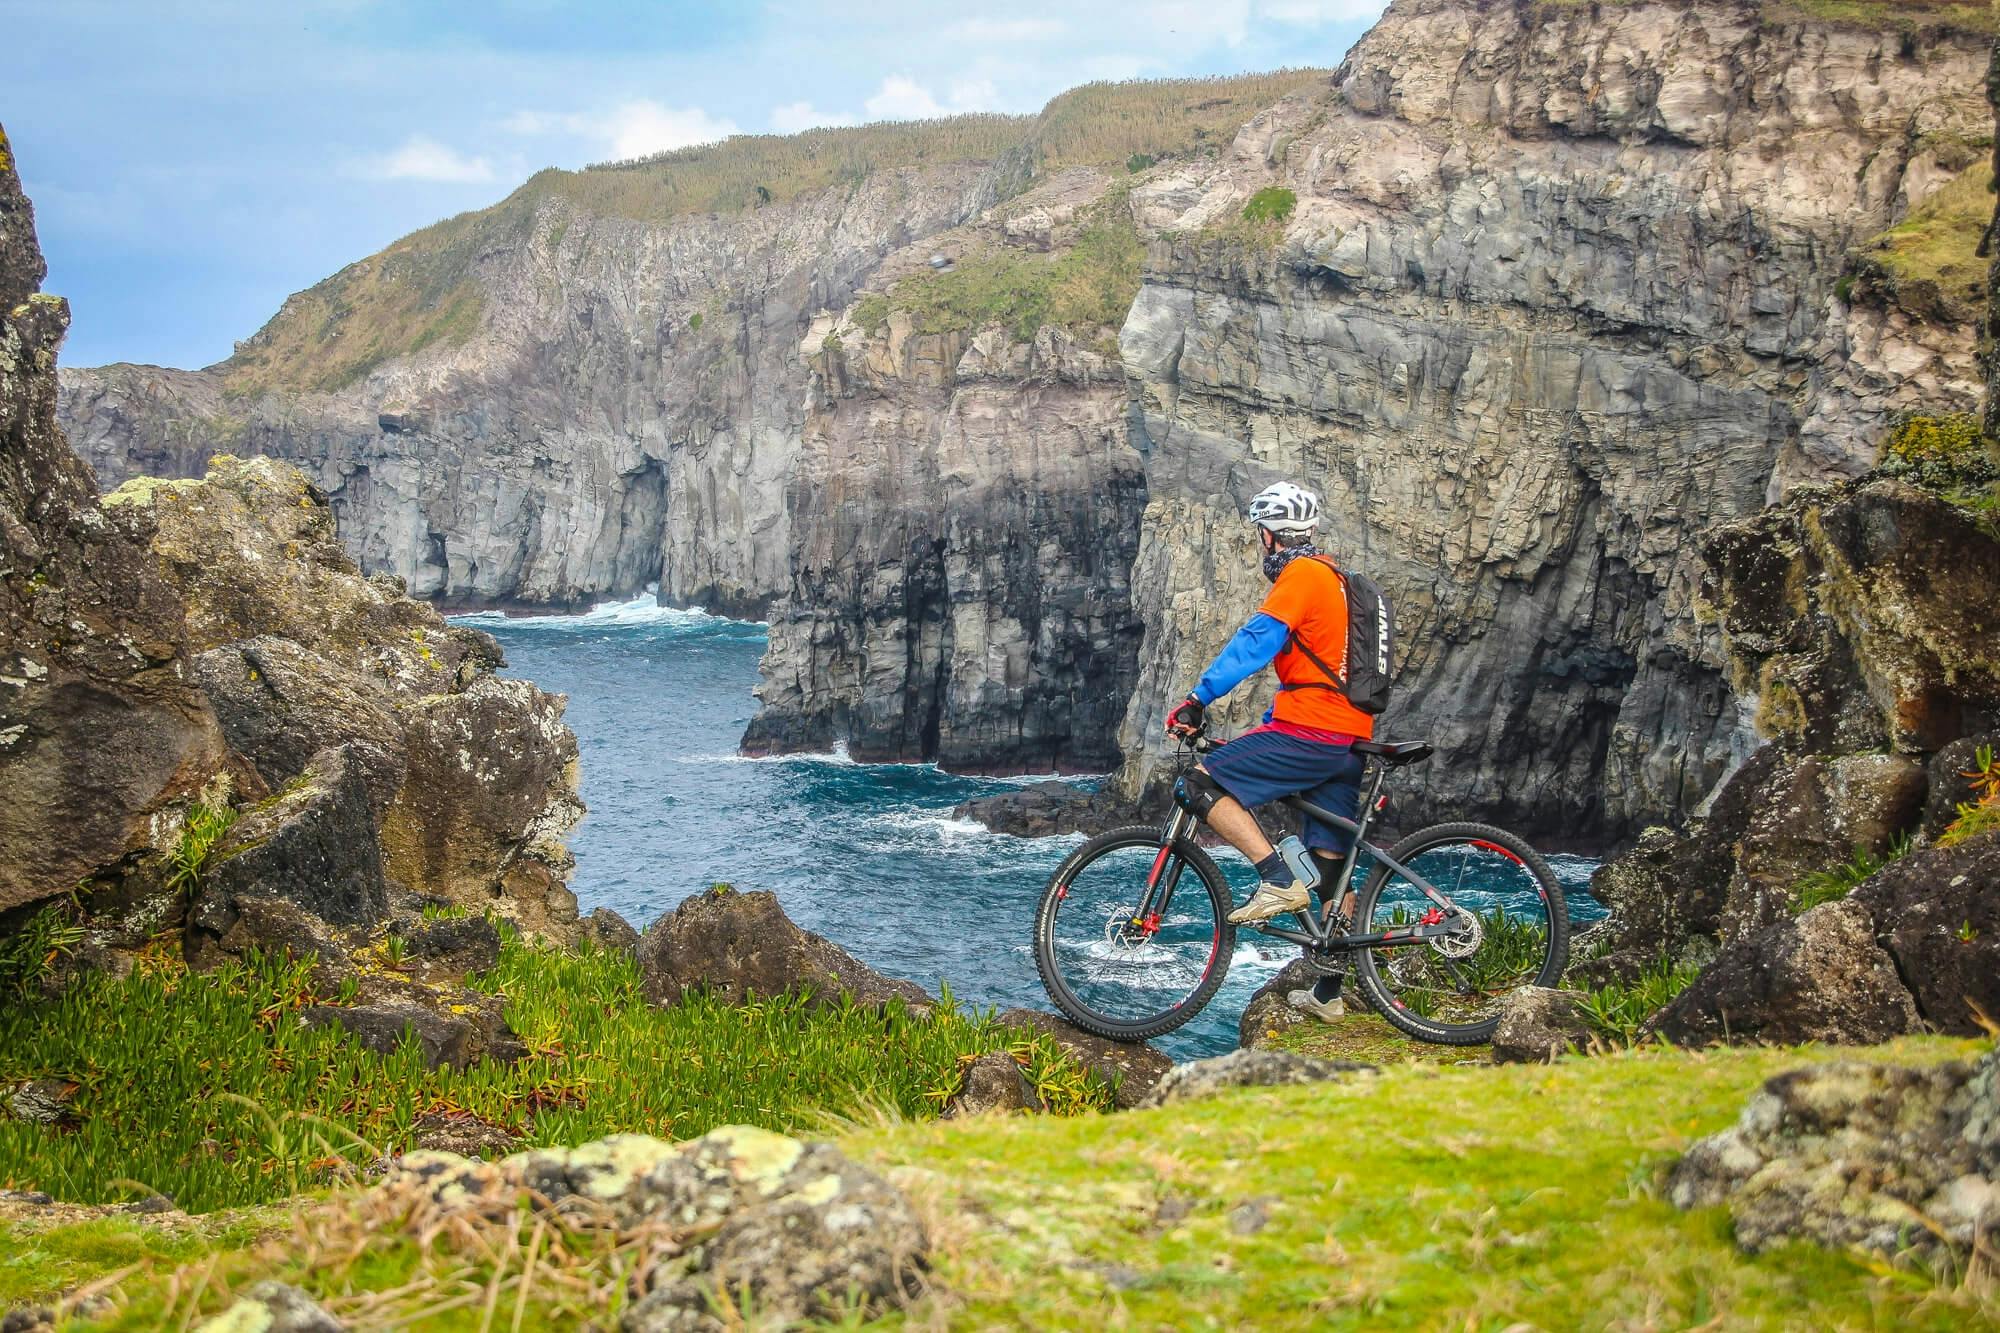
991 1084
965 511
1555 296
1247 1069
1134 1067
1888 1158
1821 977
1046 809
210 722
798 1229
625 414
738 945
273 1307
102 729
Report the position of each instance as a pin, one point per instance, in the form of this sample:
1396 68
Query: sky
194 162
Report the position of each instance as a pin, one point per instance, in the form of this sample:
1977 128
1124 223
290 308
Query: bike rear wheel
1516 932
1114 972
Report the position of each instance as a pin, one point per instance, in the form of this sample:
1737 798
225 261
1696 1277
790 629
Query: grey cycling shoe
1326 1011
1270 901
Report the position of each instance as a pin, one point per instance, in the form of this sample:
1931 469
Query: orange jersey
1312 601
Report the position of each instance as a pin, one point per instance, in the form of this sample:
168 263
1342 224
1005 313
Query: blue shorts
1259 767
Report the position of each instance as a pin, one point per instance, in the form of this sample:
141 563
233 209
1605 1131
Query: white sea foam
645 609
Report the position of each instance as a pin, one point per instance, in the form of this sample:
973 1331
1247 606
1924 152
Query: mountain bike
1445 924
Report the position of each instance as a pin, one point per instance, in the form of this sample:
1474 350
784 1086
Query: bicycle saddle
1395 753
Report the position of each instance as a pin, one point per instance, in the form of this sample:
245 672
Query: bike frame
1319 936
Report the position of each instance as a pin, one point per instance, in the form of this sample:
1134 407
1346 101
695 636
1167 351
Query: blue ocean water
866 854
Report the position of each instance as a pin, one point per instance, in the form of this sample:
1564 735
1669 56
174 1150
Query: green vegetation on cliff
209 1088
424 291
1471 1197
1090 285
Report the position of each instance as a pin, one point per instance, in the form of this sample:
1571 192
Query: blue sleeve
1261 639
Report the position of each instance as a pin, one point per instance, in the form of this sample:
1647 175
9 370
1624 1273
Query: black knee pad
1197 793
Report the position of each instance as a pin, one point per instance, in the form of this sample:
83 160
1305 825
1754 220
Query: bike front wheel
1132 936
1513 931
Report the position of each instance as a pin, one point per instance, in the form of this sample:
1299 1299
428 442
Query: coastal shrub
694 322
1138 162
1273 203
207 1087
202 829
871 313
1618 1010
1826 886
1981 815
1948 455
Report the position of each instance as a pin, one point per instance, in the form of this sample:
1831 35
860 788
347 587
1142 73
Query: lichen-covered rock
273 1307
1950 772
1937 914
1861 615
991 1083
741 944
1891 1158
1538 1024
450 947
1818 977
608 930
1134 1067
474 778
312 845
446 1039
799 1226
1247 1069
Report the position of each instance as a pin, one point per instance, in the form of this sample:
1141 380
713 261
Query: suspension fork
1165 875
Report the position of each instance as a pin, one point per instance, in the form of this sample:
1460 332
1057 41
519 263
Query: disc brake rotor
1468 933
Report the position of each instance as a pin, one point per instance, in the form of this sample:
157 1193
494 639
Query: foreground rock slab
1247 1069
1889 1158
798 1227
273 1307
1537 1024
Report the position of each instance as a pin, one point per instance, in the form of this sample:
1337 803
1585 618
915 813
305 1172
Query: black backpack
1371 646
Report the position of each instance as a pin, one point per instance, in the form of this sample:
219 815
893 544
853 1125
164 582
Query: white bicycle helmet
1285 509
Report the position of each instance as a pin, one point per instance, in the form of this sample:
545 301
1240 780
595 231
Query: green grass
1831 885
1424 1198
1619 1010
1930 262
1089 286
1273 203
206 1087
30 951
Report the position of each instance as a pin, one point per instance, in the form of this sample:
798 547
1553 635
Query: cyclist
1304 744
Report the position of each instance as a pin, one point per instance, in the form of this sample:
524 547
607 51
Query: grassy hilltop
420 291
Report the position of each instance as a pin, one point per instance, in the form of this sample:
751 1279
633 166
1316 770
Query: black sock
1328 988
1273 870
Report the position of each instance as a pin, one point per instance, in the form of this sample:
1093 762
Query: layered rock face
1558 292
185 654
101 724
628 414
964 515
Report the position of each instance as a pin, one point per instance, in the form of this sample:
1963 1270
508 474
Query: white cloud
638 128
795 116
902 98
425 159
